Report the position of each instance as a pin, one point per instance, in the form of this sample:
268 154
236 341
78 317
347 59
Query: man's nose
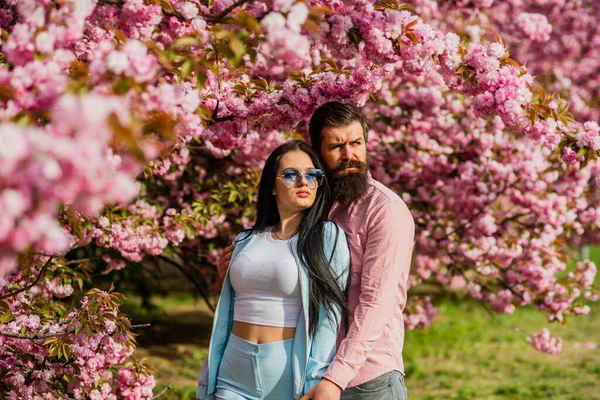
345 153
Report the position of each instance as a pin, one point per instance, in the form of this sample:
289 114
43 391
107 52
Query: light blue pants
252 371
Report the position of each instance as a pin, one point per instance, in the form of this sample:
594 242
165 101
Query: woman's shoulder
244 235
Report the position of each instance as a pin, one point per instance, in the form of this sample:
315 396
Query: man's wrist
334 384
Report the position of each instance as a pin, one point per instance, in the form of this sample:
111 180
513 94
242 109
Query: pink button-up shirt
380 232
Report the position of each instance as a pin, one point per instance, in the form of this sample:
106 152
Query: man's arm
223 262
386 264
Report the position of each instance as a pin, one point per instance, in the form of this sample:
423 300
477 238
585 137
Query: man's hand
325 390
223 262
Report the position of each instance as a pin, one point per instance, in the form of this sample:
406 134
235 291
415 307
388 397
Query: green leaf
232 196
166 5
186 68
237 46
184 41
6 317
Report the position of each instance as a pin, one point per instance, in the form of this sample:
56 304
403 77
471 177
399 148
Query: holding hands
325 390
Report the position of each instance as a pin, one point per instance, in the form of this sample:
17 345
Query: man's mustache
359 165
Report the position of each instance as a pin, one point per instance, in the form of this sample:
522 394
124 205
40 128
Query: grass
466 353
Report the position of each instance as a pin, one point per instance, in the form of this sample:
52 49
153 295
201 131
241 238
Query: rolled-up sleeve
384 275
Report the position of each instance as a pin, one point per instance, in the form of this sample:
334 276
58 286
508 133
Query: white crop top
266 283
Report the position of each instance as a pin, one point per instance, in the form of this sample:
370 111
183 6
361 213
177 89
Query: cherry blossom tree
132 134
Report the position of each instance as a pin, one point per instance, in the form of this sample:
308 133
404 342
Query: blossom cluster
84 353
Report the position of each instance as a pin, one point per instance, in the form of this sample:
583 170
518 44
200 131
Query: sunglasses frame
308 176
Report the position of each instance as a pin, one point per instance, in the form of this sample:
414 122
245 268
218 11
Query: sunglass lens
314 177
290 177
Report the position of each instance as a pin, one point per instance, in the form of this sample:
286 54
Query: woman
276 323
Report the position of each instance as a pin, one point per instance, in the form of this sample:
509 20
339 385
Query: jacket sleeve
323 343
202 389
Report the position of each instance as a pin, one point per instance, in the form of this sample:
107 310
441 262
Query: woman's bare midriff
260 334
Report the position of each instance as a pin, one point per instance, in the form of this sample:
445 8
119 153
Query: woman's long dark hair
323 285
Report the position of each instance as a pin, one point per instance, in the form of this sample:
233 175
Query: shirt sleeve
384 276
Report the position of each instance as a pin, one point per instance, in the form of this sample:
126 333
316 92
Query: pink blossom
420 312
535 26
501 302
188 9
297 16
14 148
569 156
584 274
542 341
19 48
589 136
282 5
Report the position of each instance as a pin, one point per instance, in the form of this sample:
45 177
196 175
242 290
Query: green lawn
466 354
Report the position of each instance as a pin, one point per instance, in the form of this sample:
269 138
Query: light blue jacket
311 356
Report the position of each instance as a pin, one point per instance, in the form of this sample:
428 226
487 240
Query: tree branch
34 336
510 288
119 3
219 18
140 326
41 335
27 287
169 387
199 288
77 261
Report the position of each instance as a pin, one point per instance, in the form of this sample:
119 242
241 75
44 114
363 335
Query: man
380 231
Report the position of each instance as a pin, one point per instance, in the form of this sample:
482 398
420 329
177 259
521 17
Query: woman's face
300 196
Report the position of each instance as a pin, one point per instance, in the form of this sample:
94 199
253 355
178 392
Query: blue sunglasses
293 177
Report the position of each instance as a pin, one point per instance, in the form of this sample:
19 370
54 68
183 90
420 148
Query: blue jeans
250 371
389 386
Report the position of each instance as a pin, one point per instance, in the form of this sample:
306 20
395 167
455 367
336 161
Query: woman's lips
303 193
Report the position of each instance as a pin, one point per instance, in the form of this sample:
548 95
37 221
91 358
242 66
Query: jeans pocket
400 391
378 384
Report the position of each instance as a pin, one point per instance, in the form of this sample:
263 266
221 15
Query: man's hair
332 115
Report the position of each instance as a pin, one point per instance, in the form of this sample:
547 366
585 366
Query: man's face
343 144
344 152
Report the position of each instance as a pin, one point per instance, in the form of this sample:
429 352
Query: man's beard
348 186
